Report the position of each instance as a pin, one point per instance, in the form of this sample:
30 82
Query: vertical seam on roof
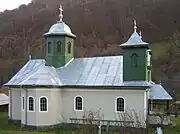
94 59
98 72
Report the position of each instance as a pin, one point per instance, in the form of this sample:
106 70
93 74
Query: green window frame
69 47
134 60
49 47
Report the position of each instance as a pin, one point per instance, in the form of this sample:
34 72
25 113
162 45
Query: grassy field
5 128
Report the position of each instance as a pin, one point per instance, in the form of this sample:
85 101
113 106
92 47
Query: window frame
134 60
49 51
23 103
69 45
33 104
40 104
75 103
117 107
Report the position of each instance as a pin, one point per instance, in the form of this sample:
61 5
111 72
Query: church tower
59 43
136 58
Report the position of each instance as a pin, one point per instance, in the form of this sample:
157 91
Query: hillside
100 26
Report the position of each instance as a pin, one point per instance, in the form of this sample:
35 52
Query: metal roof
134 40
43 75
93 71
27 70
4 99
60 29
157 92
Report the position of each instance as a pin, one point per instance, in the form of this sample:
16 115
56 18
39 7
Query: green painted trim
79 86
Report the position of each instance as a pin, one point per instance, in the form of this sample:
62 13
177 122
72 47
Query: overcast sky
11 4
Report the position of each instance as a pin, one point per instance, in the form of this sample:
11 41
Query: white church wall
9 106
103 100
28 117
53 115
37 118
16 103
61 104
23 94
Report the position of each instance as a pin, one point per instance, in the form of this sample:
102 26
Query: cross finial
140 34
61 14
29 57
135 27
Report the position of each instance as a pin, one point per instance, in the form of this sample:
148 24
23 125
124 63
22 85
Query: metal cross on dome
140 34
135 26
61 14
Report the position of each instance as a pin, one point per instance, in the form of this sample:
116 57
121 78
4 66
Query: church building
61 88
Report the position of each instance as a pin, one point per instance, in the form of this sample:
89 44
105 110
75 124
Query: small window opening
120 105
58 46
49 47
69 47
134 60
43 104
78 103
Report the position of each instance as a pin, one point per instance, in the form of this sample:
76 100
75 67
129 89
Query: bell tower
136 58
59 43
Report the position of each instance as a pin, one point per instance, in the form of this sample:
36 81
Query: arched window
31 103
69 47
134 60
49 47
78 103
43 104
59 46
120 104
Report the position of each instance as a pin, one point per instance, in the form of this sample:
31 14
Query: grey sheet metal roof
43 75
25 72
157 92
93 71
60 29
134 40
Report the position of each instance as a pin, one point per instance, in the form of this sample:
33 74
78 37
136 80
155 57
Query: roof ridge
52 75
99 57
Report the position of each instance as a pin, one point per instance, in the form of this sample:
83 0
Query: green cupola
59 43
136 58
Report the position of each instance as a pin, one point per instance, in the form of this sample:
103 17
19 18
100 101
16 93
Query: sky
11 4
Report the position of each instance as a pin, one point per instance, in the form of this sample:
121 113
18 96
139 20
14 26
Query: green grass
6 128
176 120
